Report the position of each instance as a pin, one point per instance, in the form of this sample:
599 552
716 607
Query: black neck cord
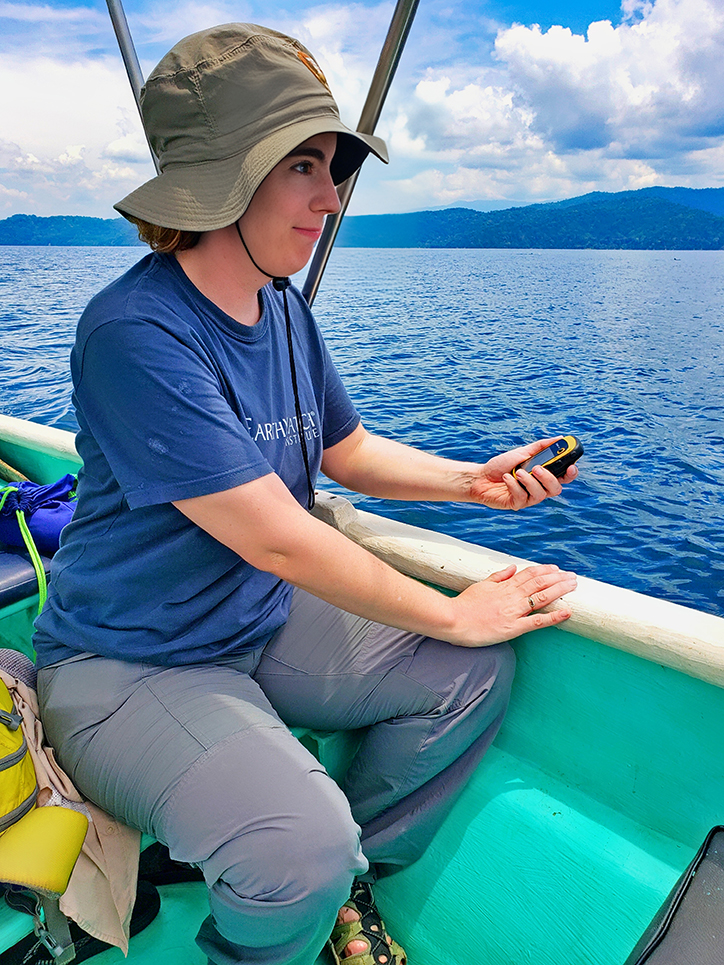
281 285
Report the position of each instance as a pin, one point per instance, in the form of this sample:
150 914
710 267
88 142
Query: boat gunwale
45 439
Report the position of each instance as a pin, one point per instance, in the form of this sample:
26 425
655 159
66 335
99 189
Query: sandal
369 928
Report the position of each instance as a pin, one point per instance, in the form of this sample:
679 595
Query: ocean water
470 352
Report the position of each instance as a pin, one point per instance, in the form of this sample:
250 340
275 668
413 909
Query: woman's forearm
375 466
263 524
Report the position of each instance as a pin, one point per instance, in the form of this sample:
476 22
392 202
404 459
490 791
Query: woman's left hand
497 488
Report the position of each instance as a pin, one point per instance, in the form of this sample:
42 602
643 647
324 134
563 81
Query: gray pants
200 757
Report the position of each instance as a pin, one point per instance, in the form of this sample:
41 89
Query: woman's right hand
507 604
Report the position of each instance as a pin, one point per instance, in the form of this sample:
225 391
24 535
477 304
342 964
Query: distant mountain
631 219
481 205
704 199
652 218
28 229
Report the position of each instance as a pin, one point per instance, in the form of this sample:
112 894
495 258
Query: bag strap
31 548
51 927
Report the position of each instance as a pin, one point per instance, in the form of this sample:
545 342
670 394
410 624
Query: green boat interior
604 780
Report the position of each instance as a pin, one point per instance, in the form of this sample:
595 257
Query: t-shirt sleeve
154 404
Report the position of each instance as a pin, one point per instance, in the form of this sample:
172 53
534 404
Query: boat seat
17 576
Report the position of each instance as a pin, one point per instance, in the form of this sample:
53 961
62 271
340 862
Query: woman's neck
219 267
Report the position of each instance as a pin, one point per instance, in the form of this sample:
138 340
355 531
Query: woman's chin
291 266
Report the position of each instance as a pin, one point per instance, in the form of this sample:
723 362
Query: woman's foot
358 946
360 934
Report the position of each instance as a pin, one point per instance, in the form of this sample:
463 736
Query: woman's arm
376 466
264 524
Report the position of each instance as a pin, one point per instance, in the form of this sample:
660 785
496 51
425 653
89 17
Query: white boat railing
665 633
45 439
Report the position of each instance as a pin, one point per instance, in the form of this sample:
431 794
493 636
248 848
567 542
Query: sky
495 101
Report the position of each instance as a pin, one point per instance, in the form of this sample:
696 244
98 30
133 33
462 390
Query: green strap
31 548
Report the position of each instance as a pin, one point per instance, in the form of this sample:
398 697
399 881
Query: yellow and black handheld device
556 458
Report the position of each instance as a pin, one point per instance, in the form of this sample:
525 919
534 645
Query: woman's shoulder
151 293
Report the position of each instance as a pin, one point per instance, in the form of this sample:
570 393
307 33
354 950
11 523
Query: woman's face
286 214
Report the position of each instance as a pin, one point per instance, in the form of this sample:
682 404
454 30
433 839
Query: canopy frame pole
130 60
384 73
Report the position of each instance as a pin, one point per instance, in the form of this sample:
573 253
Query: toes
356 947
347 914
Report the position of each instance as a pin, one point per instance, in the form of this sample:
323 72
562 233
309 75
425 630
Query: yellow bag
18 786
38 846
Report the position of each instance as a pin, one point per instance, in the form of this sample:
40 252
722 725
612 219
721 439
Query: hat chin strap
281 284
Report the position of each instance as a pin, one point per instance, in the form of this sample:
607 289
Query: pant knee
288 873
309 837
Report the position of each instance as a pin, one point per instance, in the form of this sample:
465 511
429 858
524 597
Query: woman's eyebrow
307 152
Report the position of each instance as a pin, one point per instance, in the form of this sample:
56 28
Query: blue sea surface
470 352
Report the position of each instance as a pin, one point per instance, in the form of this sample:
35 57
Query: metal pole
384 73
133 68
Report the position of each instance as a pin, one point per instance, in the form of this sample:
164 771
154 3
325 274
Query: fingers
540 444
518 494
539 621
539 589
502 575
509 603
529 488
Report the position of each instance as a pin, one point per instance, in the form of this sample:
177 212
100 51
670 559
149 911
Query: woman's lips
312 233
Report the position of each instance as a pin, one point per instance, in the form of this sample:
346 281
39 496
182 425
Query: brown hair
165 240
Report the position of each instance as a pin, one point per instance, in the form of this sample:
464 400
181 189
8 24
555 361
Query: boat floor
169 938
537 848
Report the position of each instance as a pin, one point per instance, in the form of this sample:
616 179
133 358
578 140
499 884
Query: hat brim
214 194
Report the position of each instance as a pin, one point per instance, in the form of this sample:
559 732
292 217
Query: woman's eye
304 167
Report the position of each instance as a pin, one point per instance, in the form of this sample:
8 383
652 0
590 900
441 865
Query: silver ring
531 603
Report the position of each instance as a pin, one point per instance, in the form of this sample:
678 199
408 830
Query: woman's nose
327 199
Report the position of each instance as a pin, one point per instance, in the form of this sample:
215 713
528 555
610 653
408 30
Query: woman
196 606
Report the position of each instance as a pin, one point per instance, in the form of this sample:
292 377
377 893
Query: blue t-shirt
175 399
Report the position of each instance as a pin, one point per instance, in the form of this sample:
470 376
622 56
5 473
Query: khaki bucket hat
221 109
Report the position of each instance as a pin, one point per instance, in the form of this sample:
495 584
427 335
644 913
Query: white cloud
155 25
44 13
552 114
131 148
71 114
475 120
41 29
73 139
345 40
536 178
9 197
652 85
560 114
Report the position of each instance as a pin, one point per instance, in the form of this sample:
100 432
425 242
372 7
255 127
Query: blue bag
32 517
46 510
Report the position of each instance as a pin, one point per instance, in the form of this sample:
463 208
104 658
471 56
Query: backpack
38 845
18 786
